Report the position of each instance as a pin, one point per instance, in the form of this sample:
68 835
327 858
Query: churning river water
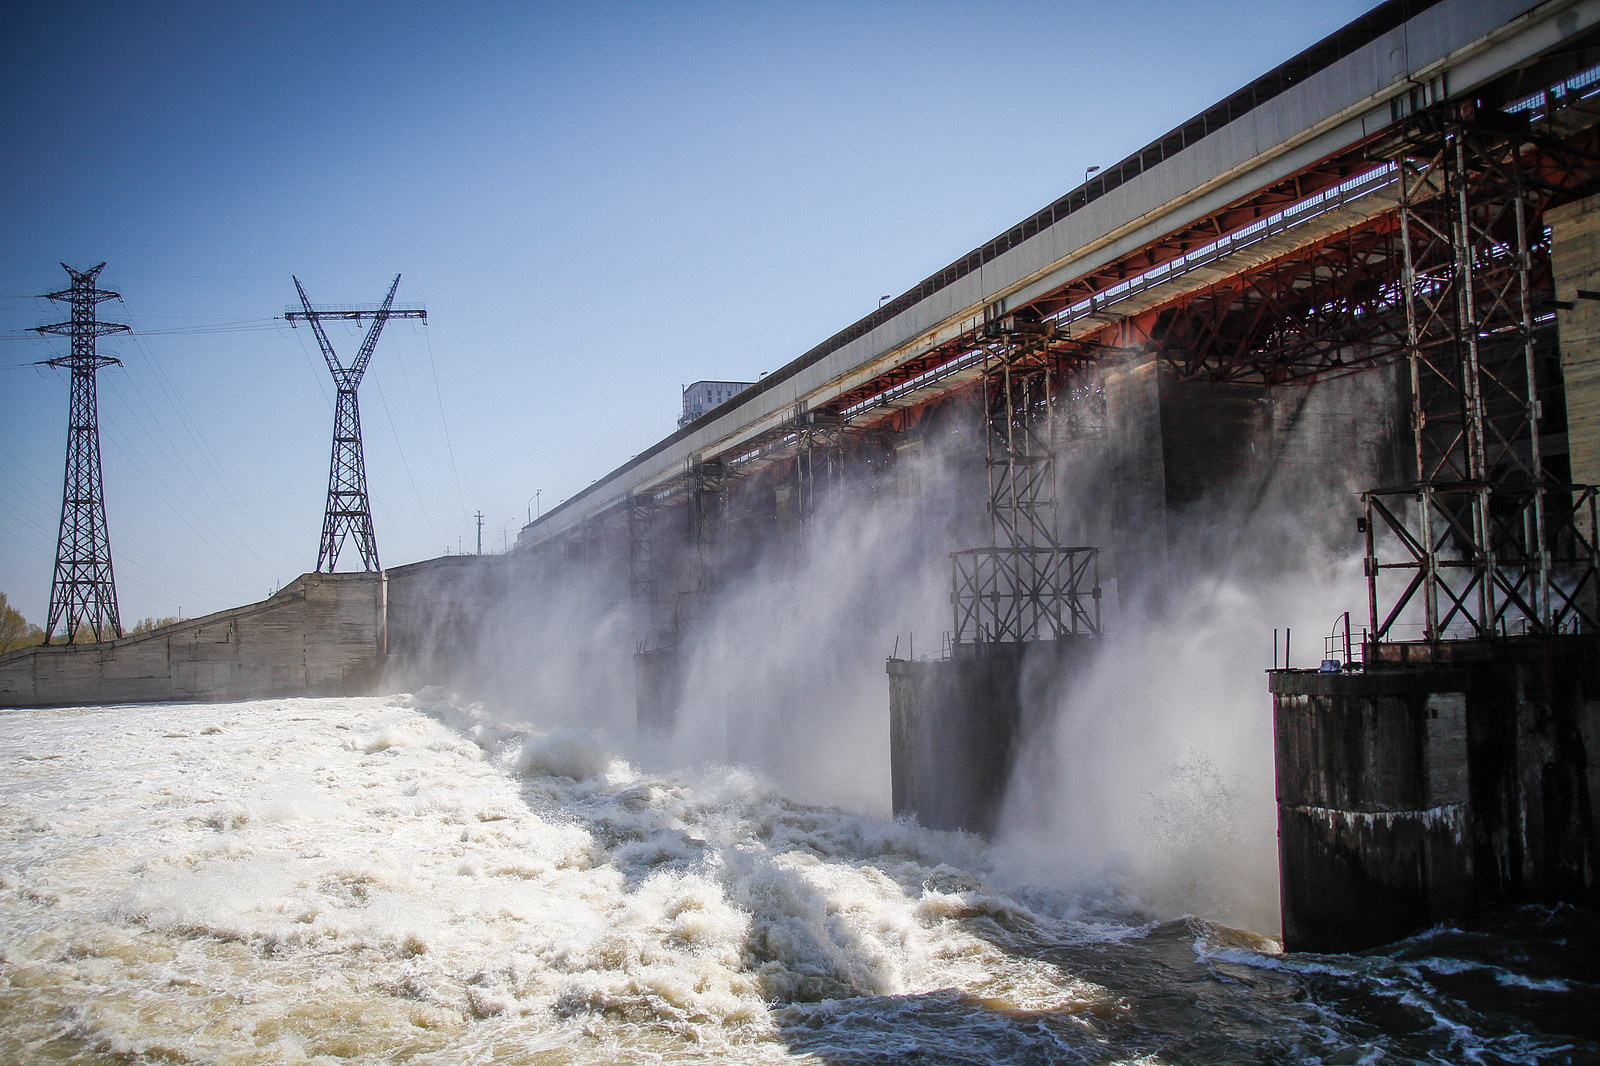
397 880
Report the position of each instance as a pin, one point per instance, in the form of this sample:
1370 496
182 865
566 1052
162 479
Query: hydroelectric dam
1329 349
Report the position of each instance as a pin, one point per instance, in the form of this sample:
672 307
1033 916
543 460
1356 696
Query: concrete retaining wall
323 635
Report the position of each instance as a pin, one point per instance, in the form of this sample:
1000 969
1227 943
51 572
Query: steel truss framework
644 562
348 512
684 567
1490 544
1474 585
83 591
818 459
1337 304
1026 586
1330 309
707 512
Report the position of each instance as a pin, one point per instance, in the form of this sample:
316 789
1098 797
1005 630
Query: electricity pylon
82 590
348 512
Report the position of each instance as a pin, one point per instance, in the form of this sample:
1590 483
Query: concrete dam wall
322 635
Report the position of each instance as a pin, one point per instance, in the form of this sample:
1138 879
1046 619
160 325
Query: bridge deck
1296 132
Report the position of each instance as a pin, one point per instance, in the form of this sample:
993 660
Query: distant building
702 396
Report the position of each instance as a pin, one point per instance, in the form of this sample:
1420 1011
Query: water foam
379 879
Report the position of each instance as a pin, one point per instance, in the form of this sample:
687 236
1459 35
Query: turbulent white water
387 878
393 879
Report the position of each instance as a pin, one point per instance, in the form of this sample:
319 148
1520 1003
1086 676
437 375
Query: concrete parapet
1414 795
322 635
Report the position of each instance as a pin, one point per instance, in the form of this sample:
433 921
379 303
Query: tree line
17 632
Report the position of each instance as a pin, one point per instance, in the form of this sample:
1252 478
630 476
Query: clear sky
597 203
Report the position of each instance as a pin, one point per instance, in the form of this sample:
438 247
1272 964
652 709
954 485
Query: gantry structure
83 589
349 510
1382 199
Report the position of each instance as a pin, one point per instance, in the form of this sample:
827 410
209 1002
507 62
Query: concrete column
956 726
658 684
1373 806
953 728
1575 258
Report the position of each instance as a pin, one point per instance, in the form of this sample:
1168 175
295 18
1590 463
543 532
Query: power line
431 451
433 534
209 454
455 472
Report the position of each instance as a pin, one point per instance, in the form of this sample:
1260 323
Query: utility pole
82 589
479 517
348 511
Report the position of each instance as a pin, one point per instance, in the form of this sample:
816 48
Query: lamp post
533 505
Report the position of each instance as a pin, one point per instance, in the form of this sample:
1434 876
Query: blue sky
596 203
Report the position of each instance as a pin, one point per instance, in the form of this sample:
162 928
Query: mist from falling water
787 674
1150 772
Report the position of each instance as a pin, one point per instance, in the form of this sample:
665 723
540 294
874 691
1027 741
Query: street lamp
533 505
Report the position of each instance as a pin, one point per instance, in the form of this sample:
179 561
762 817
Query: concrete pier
1418 793
957 724
658 684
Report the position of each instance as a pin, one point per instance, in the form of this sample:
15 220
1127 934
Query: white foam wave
380 879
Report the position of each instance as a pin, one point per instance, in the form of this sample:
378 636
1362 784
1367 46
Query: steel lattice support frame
706 508
1458 581
818 460
1026 586
1019 403
83 591
642 560
1330 308
1490 544
644 571
1025 594
348 511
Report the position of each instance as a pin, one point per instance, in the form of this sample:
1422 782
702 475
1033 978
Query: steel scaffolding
1489 543
1026 585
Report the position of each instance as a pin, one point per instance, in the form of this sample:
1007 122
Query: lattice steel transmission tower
82 590
348 511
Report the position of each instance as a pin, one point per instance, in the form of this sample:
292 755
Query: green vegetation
15 630
145 625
